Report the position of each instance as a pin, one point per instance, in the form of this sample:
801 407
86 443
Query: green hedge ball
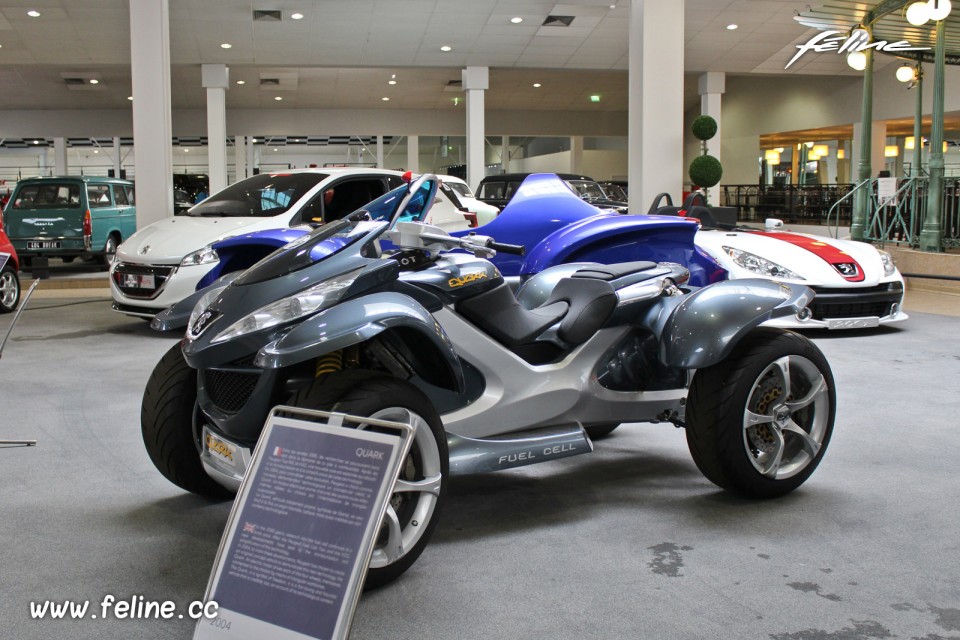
705 171
704 127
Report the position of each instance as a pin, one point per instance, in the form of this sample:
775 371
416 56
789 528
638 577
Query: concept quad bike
492 379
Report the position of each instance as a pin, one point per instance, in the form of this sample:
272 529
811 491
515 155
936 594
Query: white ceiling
343 52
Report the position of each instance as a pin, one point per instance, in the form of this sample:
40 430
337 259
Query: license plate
43 244
137 281
220 450
853 323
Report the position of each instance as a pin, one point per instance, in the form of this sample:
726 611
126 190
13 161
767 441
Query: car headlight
200 256
888 267
299 305
762 266
201 306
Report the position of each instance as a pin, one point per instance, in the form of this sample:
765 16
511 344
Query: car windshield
261 196
587 189
48 195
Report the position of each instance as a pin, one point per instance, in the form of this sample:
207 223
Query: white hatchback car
484 212
162 263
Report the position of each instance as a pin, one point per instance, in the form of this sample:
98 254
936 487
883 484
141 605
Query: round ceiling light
241 82
536 85
857 60
446 48
385 99
296 16
905 73
516 19
391 82
939 9
278 98
226 45
94 81
918 13
33 13
129 97
732 27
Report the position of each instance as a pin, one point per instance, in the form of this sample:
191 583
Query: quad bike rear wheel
759 422
413 509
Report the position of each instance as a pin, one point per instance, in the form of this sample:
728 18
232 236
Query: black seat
614 271
584 304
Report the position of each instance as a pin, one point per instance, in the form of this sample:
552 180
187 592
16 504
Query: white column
43 160
476 80
712 86
150 67
60 156
240 154
216 80
576 154
505 153
379 152
117 158
251 155
655 119
413 154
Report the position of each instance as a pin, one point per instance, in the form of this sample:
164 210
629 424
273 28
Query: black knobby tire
366 393
9 289
730 453
166 422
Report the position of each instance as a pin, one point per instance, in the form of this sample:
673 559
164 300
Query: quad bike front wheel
758 423
413 509
166 423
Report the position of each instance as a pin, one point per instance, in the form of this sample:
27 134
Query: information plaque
299 538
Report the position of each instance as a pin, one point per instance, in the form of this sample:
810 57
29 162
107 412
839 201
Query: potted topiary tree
705 170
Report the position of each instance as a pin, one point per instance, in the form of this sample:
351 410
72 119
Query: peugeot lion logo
144 249
203 321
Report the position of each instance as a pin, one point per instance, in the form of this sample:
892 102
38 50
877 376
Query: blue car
547 218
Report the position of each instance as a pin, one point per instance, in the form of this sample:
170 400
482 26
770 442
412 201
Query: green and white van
71 216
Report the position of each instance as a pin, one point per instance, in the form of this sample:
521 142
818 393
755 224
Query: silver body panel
519 395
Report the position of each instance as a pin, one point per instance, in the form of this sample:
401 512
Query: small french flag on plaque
277 451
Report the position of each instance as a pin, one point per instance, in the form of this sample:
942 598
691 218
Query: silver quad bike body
377 317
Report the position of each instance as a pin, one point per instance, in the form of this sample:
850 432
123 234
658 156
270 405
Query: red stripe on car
839 260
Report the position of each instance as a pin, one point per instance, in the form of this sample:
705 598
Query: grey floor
630 541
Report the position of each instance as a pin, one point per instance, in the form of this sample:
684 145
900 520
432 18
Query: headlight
759 265
200 256
299 305
888 267
200 307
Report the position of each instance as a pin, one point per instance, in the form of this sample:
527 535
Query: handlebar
515 249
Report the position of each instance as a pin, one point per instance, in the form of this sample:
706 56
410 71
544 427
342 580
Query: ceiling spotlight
130 98
241 82
385 99
446 48
276 149
613 6
939 9
94 81
857 60
732 27
33 13
905 73
185 150
516 19
391 82
96 150
918 13
536 85
36 142
296 16
226 45
278 98
594 98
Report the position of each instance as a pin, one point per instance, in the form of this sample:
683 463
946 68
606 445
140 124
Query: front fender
612 238
705 327
358 320
178 314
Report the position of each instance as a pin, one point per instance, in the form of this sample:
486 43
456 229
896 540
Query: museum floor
630 541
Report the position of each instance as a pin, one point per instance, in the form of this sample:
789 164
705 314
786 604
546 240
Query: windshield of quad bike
364 225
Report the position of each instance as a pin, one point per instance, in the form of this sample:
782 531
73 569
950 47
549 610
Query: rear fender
704 328
613 238
355 321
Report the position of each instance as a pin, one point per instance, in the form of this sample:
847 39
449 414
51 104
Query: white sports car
856 285
162 263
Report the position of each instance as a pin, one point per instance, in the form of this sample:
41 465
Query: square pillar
576 154
712 86
476 80
216 80
413 154
240 155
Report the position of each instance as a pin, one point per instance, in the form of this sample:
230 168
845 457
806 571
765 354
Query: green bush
704 127
705 171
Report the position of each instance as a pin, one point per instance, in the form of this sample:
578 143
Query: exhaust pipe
482 455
